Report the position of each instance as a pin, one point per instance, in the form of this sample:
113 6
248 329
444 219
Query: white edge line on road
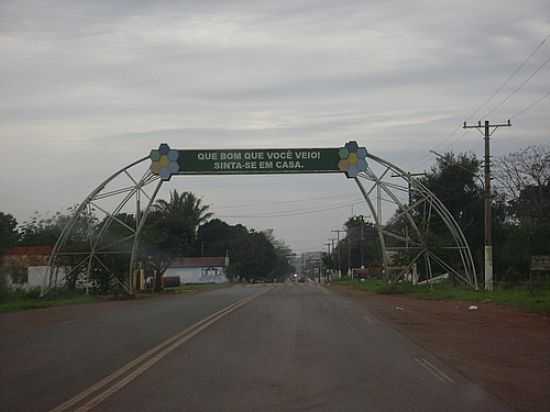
142 359
434 370
439 371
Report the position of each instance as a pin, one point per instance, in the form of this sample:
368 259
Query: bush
3 286
33 293
171 281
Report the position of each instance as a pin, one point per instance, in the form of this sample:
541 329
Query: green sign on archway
350 159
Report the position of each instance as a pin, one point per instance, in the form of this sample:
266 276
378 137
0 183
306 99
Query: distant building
26 266
199 269
309 264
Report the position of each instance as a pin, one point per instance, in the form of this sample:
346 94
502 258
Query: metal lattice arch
403 211
406 238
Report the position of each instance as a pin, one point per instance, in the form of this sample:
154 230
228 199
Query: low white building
26 267
199 269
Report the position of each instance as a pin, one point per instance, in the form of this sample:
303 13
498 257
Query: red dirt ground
504 350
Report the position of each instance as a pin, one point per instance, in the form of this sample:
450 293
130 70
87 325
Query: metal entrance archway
409 249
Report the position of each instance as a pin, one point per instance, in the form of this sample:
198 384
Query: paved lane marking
130 365
434 370
369 319
439 371
153 354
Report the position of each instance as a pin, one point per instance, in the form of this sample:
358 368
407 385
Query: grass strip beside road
19 302
537 301
196 287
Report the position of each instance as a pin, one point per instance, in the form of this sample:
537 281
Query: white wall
38 276
198 275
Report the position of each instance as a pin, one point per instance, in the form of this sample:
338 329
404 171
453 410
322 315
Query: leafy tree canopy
8 233
253 255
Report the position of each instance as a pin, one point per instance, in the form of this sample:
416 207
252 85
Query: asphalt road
295 347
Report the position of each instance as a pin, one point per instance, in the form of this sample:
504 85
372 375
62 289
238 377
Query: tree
327 261
253 255
172 230
180 218
524 178
282 267
216 237
8 233
40 231
361 244
455 181
44 231
8 238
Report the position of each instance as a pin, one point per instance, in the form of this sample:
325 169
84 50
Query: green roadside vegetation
21 300
537 301
25 300
192 288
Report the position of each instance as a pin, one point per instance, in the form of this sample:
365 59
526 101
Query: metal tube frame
432 206
91 256
427 200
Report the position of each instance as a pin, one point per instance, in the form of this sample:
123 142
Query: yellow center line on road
147 360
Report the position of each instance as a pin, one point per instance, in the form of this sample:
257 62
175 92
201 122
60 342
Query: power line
307 199
495 93
510 77
287 214
530 106
300 210
446 144
517 89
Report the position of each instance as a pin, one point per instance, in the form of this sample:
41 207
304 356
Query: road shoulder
503 349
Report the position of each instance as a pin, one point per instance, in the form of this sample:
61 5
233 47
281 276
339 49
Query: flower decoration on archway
353 159
164 162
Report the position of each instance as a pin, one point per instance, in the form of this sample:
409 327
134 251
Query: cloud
89 86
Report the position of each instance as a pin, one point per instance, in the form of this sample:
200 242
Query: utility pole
361 239
332 244
348 242
329 259
339 256
332 247
489 129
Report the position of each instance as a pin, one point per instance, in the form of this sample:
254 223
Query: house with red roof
26 266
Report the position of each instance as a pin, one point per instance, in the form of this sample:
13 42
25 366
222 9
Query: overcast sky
89 86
